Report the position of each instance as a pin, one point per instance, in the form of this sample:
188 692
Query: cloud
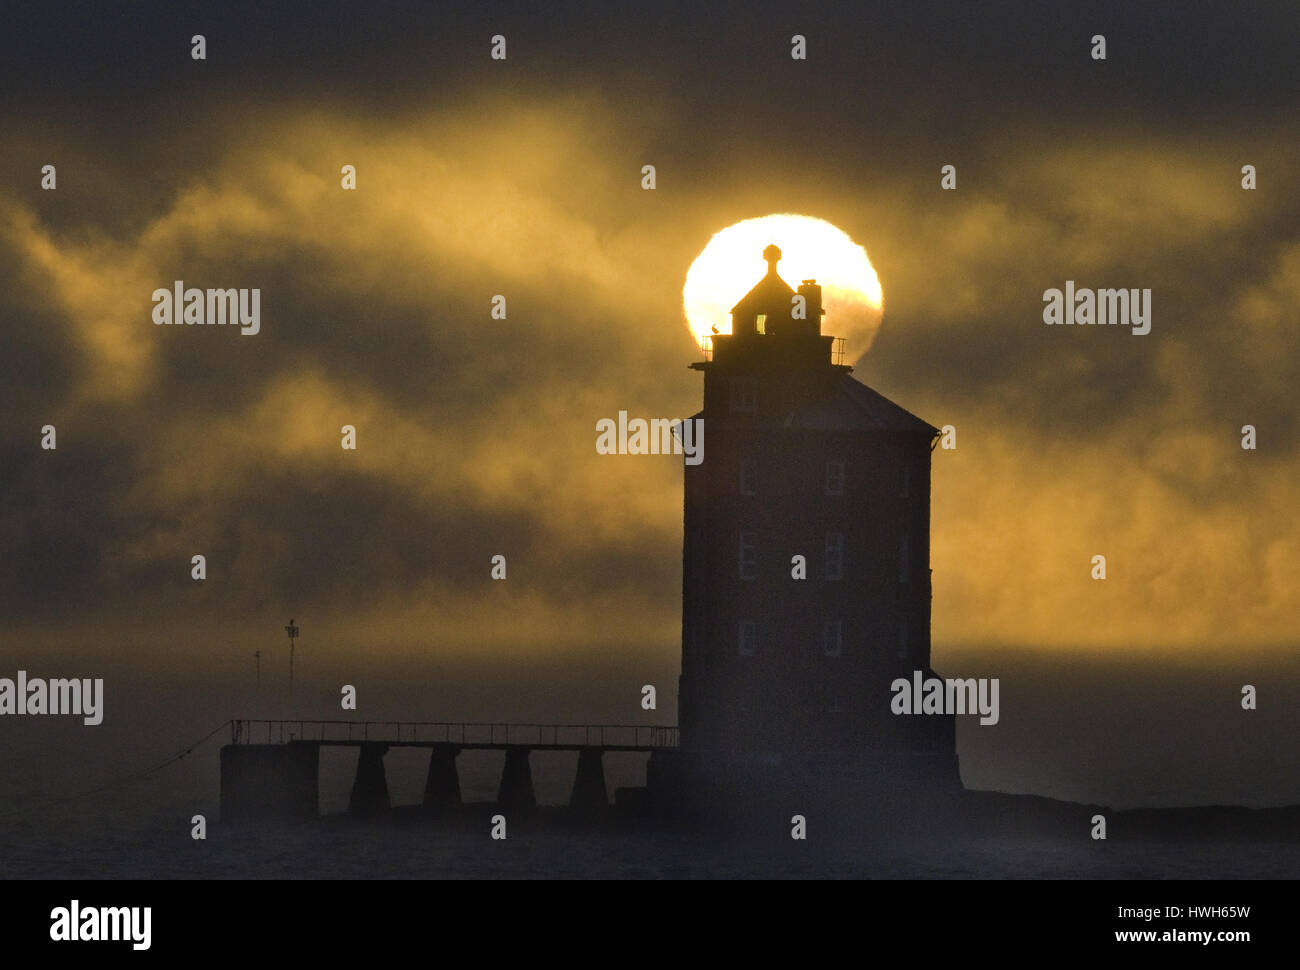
476 437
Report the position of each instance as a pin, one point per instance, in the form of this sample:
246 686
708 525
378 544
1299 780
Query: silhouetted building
807 471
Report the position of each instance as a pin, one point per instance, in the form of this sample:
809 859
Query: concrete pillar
589 783
370 790
261 781
442 786
516 792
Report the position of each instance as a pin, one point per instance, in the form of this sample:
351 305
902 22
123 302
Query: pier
271 768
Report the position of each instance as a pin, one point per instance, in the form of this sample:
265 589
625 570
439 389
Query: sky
476 436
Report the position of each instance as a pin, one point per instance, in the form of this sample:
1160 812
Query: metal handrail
254 730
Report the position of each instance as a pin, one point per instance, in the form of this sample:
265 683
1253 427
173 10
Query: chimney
812 294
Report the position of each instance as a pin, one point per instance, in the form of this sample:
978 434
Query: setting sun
811 248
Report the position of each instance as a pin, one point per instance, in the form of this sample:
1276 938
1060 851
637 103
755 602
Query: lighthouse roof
852 406
771 294
846 405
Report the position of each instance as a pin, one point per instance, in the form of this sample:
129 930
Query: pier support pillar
589 794
442 786
370 790
261 781
516 792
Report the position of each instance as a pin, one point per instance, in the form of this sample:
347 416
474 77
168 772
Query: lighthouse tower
806 579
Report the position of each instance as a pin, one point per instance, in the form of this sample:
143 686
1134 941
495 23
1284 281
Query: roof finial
772 254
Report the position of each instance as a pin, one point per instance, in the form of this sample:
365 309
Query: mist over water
146 835
1131 732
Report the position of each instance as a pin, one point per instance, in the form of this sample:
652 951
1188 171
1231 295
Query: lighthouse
806 574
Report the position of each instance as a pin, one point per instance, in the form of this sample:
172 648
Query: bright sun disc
732 263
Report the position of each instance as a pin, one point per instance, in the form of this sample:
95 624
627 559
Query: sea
144 830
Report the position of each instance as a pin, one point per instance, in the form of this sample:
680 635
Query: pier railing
418 733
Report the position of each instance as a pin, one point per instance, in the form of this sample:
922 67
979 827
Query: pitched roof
771 294
881 411
849 405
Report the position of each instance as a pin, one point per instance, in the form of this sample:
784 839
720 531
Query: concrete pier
516 792
442 786
589 793
263 775
370 790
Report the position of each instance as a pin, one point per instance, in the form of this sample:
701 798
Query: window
744 394
833 638
902 559
835 478
746 638
748 557
746 476
761 322
902 639
834 556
